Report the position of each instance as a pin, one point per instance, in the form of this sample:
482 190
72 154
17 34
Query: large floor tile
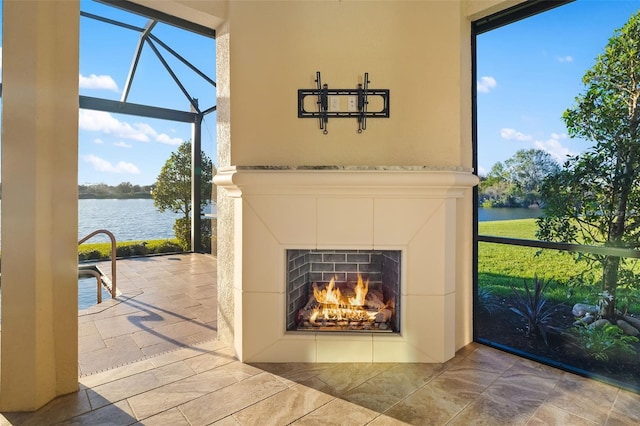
176 393
283 407
337 412
136 384
226 401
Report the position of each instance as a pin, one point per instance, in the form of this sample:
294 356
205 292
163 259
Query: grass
501 266
102 251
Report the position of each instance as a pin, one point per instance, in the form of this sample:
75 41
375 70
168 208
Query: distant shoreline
114 197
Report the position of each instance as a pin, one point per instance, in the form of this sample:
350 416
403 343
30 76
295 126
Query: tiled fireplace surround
409 209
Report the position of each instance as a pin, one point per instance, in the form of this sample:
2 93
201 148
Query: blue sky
116 148
530 72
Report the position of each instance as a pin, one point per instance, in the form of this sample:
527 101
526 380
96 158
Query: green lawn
500 266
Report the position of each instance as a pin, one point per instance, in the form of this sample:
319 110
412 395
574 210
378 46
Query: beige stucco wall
415 49
477 9
209 13
39 346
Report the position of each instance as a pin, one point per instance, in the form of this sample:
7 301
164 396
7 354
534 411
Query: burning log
384 315
340 307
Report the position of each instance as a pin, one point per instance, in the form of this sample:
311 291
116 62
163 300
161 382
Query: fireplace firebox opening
343 290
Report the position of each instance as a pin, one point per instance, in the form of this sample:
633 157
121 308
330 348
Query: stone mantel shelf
348 180
356 168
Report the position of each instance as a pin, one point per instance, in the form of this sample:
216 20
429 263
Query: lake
507 213
129 220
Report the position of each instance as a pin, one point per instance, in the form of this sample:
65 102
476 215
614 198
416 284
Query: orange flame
330 295
334 306
361 290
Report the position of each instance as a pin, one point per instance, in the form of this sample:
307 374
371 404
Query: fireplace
343 290
280 215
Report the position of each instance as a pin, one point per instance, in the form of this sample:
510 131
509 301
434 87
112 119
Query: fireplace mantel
408 208
360 180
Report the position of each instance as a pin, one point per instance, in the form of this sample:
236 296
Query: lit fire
334 306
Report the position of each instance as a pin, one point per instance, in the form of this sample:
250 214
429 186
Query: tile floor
151 358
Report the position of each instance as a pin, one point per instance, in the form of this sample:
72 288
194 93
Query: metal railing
113 260
600 250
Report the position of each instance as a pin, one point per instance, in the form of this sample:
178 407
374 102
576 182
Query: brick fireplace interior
286 213
380 269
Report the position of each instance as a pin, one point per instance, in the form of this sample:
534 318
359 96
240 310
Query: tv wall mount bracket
343 103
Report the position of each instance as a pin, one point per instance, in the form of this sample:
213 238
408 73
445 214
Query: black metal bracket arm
343 103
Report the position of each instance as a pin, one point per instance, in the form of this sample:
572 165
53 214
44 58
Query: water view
507 213
135 219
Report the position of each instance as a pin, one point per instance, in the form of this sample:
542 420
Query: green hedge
102 251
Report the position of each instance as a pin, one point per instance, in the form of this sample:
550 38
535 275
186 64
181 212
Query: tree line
122 190
102 190
517 181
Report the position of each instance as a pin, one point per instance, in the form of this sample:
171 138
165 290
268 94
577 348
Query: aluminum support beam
196 185
117 107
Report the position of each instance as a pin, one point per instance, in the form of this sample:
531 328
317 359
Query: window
532 297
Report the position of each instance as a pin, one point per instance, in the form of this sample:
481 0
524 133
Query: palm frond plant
532 306
485 301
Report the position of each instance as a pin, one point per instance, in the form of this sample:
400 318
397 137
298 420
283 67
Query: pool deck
151 357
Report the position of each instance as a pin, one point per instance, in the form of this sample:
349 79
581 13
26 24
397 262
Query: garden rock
581 309
585 320
628 328
599 323
633 321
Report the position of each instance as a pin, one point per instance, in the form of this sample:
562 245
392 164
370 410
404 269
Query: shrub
532 307
182 230
102 251
485 301
131 249
89 255
600 342
166 246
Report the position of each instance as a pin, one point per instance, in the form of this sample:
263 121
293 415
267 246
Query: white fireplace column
411 209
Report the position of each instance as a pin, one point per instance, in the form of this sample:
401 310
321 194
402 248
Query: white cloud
98 141
164 138
554 147
514 135
103 165
122 145
145 128
567 58
482 171
104 82
158 137
100 121
559 136
486 83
